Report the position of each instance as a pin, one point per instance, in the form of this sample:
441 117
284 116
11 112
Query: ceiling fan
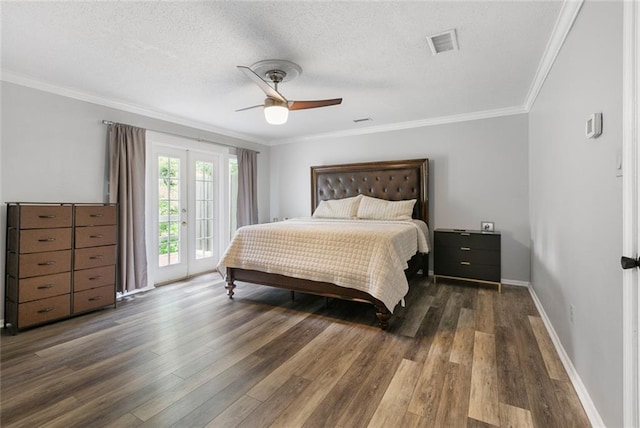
276 106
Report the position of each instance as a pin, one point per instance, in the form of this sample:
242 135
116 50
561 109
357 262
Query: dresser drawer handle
98 257
47 216
96 215
46 240
465 263
465 234
46 263
93 278
45 310
94 298
96 236
44 287
465 248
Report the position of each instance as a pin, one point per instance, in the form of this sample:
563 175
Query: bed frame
391 180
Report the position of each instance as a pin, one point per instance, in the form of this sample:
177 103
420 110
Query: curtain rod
110 123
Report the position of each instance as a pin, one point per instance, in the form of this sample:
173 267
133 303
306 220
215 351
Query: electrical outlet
571 313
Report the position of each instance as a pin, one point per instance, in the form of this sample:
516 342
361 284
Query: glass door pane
168 210
204 234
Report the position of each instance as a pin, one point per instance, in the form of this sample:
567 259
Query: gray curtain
127 188
247 187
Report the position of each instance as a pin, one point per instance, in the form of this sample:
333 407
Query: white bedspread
367 255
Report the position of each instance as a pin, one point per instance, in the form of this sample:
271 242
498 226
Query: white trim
566 18
486 114
120 296
515 282
583 394
18 79
630 211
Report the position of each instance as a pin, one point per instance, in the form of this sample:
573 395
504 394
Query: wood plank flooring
184 355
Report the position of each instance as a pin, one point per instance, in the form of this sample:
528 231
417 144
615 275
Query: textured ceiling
179 58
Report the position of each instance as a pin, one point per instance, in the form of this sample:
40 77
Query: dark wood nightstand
467 254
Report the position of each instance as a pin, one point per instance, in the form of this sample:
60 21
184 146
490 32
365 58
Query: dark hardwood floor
184 355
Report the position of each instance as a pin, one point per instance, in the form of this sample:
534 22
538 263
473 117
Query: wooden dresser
468 254
60 261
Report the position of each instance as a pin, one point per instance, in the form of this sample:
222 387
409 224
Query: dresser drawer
44 216
41 287
94 298
444 254
92 278
44 310
93 236
40 240
89 215
86 258
37 264
468 240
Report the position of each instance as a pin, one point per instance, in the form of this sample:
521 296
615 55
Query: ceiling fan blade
249 108
300 105
262 83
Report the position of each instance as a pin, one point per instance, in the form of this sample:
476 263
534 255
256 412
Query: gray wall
478 171
54 149
576 203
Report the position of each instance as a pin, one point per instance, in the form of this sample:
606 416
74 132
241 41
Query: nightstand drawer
474 241
470 271
444 254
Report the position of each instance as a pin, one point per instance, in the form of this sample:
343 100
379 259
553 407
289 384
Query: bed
394 181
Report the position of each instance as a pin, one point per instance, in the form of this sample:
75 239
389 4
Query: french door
187 211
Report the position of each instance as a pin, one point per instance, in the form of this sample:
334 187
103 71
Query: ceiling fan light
276 113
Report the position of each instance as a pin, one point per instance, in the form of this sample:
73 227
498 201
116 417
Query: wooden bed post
230 285
383 315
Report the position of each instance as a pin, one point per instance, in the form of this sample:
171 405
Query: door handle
629 263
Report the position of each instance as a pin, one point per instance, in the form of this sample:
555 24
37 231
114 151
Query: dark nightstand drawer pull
98 257
46 240
45 310
46 263
47 216
466 263
465 248
96 236
96 215
93 278
44 287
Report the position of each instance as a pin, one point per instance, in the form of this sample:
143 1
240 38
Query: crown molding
564 23
486 114
22 80
566 18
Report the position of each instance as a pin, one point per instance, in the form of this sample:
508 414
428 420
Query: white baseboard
583 394
515 282
119 295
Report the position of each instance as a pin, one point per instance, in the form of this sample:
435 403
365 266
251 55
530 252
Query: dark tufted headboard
391 180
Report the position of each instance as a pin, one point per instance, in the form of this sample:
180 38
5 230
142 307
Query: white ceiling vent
443 42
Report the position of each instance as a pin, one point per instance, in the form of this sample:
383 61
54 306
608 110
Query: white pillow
380 209
338 208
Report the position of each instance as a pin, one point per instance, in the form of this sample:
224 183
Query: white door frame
158 141
631 210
